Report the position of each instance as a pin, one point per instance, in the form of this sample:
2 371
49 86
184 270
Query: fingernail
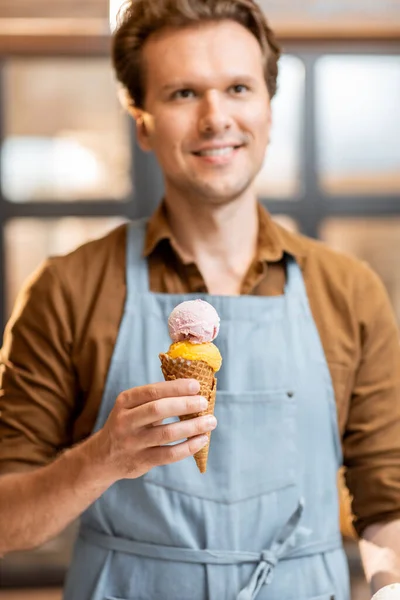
203 402
203 440
212 422
194 386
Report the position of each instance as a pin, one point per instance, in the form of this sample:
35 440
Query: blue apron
263 521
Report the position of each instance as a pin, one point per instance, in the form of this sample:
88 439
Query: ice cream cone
179 368
192 326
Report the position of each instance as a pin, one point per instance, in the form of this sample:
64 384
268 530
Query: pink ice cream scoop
195 321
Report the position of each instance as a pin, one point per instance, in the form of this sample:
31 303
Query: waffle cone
179 368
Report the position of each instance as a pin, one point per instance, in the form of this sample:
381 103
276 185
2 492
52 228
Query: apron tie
262 576
287 545
264 571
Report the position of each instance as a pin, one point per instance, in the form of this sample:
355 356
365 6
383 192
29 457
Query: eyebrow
191 84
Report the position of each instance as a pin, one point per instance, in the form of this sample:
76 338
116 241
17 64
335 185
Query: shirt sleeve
372 437
37 381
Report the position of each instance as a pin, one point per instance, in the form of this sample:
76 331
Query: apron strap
295 288
137 276
296 294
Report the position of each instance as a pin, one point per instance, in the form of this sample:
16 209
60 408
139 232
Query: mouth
220 152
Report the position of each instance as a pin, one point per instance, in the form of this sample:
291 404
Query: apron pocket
253 451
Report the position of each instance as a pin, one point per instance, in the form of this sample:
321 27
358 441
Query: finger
165 455
155 412
164 389
173 432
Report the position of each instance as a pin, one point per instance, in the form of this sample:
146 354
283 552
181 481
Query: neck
221 240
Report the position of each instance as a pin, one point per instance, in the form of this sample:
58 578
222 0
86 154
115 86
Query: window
66 137
358 124
280 176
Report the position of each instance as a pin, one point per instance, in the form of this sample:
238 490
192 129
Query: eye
240 89
183 94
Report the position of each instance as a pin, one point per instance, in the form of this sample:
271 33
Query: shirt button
290 394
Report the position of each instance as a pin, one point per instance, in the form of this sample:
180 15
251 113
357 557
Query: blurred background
70 169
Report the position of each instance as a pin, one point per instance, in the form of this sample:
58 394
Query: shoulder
326 265
92 259
344 292
66 285
85 274
71 285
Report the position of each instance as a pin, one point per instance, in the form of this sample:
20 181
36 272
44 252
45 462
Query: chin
218 200
212 193
218 193
218 197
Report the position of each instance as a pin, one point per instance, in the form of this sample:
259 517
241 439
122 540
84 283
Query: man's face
207 110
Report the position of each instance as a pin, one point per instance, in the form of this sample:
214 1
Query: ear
143 133
269 113
142 128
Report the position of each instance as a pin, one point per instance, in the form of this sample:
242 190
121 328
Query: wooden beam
53 9
351 27
54 37
91 36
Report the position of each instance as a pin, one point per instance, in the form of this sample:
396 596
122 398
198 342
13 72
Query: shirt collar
273 239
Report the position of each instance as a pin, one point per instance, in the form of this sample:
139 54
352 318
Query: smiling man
310 376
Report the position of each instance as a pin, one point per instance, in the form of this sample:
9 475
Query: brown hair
139 19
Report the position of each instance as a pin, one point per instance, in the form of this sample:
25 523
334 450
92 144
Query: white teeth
217 151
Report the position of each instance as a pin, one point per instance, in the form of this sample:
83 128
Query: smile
217 151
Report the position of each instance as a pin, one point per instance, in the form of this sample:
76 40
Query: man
301 328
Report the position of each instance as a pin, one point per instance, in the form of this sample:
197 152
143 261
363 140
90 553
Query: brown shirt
59 341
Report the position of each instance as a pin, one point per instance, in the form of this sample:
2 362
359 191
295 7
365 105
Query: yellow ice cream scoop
207 352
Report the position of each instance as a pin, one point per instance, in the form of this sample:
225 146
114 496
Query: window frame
309 209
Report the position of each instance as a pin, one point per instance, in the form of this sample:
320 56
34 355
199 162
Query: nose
214 116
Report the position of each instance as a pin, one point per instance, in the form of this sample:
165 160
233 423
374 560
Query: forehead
208 51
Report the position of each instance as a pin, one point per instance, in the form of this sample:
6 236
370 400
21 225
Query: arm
380 553
38 381
371 440
36 506
38 401
38 404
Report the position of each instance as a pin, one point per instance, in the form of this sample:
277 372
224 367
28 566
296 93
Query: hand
133 439
389 592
